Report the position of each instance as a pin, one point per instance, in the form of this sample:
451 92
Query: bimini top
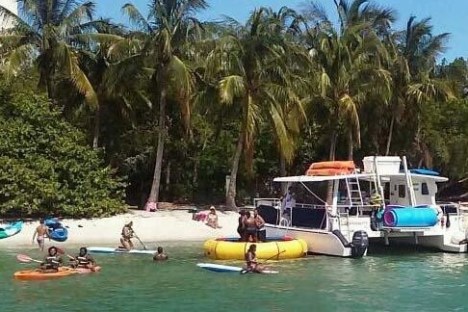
360 176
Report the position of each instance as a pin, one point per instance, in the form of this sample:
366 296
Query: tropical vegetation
172 108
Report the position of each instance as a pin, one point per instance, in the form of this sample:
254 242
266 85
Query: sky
447 15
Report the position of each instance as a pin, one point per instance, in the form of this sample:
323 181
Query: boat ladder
354 191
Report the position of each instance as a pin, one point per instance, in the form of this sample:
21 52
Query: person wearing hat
127 235
212 219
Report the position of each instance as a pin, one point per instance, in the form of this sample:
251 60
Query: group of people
251 227
53 260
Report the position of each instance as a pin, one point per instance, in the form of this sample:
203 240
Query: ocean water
405 280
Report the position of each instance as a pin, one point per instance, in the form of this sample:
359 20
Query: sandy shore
151 227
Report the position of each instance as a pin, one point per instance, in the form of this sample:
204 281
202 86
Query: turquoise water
400 281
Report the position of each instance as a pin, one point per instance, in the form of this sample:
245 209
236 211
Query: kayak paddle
26 259
136 236
60 251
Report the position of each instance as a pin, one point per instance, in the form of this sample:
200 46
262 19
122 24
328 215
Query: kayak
227 268
87 271
120 250
10 229
56 230
37 275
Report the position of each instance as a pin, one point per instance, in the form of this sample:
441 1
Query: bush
46 168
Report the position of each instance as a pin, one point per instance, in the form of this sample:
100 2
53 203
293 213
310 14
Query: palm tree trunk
390 134
154 194
283 173
331 156
231 193
350 146
97 127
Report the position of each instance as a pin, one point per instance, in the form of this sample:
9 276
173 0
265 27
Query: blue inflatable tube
57 231
410 217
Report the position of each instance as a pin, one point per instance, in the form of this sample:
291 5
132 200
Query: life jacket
83 260
53 260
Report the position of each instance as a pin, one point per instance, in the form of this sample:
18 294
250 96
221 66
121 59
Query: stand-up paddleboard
227 268
120 251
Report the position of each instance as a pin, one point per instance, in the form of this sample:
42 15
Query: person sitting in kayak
84 260
52 261
160 255
251 260
127 235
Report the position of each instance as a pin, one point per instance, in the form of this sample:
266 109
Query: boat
111 250
379 204
228 269
57 231
274 248
36 275
10 229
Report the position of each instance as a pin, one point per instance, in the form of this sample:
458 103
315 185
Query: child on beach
212 219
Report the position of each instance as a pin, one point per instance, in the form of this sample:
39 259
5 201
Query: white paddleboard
227 268
120 251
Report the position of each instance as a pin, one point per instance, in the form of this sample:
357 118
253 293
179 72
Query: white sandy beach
151 227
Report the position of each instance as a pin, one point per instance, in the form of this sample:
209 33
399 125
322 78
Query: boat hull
318 241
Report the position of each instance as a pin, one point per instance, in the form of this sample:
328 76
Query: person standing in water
241 226
41 232
250 227
260 223
127 235
160 255
252 264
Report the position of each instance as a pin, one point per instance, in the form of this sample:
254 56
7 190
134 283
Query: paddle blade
26 259
23 258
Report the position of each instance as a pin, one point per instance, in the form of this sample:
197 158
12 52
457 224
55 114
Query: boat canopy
360 176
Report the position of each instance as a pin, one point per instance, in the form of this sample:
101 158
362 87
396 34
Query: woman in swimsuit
251 260
42 231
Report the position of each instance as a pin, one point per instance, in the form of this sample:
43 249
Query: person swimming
52 261
160 255
252 264
83 260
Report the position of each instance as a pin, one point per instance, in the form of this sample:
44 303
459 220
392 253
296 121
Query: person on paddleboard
52 261
83 260
127 235
252 264
160 255
40 234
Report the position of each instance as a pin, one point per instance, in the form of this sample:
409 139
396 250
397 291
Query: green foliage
46 167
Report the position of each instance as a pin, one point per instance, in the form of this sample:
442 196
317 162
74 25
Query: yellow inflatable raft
274 249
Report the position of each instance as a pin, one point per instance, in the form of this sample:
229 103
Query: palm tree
45 36
413 59
169 28
250 67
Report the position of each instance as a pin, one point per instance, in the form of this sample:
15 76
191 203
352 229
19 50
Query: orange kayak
330 168
86 271
37 275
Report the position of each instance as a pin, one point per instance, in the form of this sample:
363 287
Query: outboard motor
359 244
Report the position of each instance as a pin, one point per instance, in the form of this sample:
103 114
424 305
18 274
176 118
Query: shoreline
151 227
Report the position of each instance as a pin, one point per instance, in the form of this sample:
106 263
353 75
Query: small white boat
227 268
120 250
